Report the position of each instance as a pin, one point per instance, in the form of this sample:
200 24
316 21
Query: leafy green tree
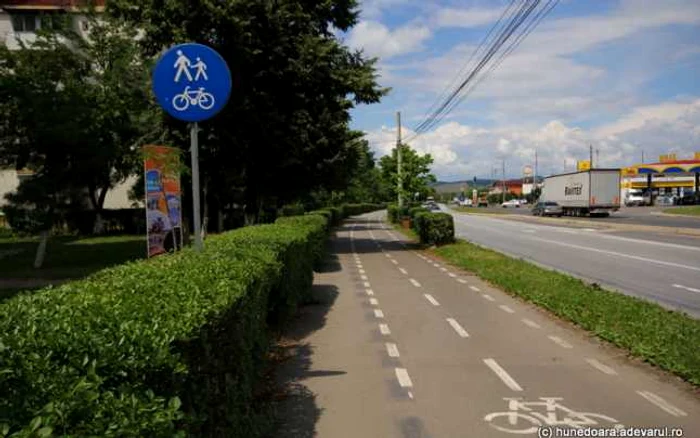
415 172
285 131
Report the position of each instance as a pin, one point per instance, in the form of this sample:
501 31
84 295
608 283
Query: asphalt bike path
436 352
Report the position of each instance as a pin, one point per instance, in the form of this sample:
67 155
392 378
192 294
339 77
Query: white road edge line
530 323
559 341
661 403
506 308
458 328
601 367
488 297
403 378
475 289
502 374
373 301
414 282
384 329
378 313
680 286
403 271
392 350
432 300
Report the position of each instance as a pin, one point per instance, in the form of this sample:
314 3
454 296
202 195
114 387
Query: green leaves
151 347
434 228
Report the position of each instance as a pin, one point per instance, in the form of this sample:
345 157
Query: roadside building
669 176
19 22
512 186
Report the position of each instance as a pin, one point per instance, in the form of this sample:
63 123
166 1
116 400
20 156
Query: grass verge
664 338
689 211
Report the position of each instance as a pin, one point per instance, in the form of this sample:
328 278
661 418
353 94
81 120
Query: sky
622 76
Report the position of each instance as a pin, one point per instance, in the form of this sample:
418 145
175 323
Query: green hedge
413 211
434 228
172 346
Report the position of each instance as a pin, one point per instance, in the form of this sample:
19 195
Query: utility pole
597 158
590 157
503 163
535 180
642 156
398 153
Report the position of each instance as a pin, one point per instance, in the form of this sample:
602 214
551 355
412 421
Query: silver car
547 208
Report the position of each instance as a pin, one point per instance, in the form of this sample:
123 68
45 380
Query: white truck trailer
590 192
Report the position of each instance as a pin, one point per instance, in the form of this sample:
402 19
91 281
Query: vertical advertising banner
163 199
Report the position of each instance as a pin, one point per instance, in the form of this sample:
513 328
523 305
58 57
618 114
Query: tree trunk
97 205
41 250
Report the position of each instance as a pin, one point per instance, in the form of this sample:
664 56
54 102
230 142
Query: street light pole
503 163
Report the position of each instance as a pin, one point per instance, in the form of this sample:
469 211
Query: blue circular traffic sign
192 82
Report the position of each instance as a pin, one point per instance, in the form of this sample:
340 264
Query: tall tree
74 108
415 173
285 130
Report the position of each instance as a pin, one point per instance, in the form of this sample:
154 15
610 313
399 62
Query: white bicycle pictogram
197 97
522 419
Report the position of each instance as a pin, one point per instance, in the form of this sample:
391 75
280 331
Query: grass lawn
477 210
693 210
67 257
664 338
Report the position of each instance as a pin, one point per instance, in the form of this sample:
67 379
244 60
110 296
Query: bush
434 228
291 210
171 346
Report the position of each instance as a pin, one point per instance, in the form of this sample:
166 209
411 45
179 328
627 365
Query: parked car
466 203
634 198
512 203
690 199
547 208
667 200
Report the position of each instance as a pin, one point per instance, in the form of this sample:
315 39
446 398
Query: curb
624 227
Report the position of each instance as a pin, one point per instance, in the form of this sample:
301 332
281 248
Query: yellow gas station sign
697 155
629 171
584 165
667 158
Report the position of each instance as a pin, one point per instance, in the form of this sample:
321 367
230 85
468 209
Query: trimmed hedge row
434 228
172 346
337 214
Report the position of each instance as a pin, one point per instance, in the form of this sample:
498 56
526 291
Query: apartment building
19 21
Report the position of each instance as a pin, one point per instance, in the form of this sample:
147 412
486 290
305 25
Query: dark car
547 208
690 199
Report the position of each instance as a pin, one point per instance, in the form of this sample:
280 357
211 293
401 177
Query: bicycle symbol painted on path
197 97
523 418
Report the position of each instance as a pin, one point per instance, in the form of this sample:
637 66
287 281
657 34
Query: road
399 345
650 216
664 272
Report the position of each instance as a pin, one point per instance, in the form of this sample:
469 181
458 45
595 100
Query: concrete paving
664 272
402 345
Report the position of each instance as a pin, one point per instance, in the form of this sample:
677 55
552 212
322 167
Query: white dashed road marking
691 289
394 261
451 274
361 271
432 300
363 277
559 341
443 269
414 282
403 378
370 292
384 329
601 367
373 301
503 375
378 313
506 308
403 271
661 403
532 324
488 297
475 289
458 328
366 284
462 280
392 350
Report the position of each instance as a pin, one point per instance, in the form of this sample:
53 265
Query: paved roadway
399 345
637 264
650 216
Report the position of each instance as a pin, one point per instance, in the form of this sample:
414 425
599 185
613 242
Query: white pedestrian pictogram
523 419
182 65
201 69
197 97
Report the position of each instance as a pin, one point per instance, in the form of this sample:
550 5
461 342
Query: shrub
171 346
291 210
434 228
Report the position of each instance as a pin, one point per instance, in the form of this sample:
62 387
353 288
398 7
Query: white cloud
372 9
473 17
378 40
461 151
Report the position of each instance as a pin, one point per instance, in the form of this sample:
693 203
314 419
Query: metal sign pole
194 149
